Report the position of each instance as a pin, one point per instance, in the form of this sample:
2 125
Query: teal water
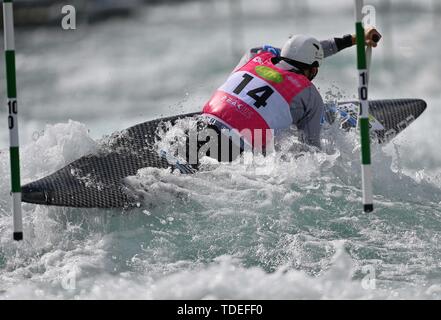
286 228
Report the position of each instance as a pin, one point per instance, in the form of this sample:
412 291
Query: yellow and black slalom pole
363 119
11 89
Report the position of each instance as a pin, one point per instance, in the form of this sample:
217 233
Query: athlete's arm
306 111
332 46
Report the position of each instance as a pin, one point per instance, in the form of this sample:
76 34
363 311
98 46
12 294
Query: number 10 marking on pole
363 120
11 88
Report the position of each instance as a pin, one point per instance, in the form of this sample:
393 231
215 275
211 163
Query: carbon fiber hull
96 181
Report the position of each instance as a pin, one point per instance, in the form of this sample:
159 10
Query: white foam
234 231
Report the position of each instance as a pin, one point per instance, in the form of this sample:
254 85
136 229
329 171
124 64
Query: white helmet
304 49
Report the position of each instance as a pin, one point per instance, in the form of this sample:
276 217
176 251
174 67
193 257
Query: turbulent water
285 227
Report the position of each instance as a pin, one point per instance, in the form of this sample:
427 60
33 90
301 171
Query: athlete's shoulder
268 48
310 96
265 48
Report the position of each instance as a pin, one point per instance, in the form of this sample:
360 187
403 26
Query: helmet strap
297 67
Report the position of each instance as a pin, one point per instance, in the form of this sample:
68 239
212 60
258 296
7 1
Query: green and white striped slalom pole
363 119
11 88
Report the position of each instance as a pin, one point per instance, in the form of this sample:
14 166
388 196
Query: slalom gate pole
363 119
11 89
368 62
369 57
